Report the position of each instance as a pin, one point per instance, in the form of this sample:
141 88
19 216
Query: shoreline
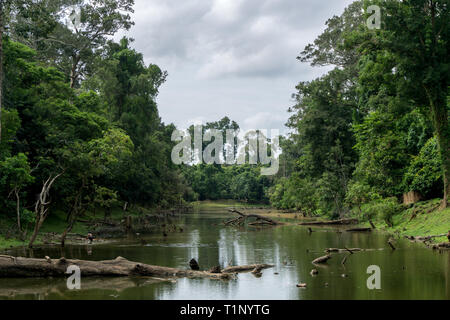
414 221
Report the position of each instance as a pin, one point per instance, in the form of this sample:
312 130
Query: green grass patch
423 219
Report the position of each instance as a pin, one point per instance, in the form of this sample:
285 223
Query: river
410 272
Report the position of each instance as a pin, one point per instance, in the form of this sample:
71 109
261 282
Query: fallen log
345 259
246 268
331 222
336 250
391 245
119 267
323 259
359 230
443 245
259 224
258 217
425 238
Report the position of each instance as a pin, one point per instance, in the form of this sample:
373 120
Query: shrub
384 209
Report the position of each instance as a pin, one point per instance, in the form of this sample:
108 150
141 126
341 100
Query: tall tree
417 32
2 8
88 26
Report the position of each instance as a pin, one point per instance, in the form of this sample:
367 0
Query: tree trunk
73 71
37 227
258 217
18 209
444 150
73 215
440 119
1 67
42 206
66 231
120 267
331 222
443 137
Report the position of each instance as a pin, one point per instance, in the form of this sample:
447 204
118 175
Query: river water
410 272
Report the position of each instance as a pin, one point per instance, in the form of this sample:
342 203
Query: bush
424 174
383 209
295 193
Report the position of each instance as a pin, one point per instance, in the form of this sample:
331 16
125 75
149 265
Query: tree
322 138
106 199
27 17
86 161
16 173
87 31
417 32
2 8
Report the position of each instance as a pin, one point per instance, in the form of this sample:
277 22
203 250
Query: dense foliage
377 125
80 125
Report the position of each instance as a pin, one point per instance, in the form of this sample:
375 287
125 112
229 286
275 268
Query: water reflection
410 272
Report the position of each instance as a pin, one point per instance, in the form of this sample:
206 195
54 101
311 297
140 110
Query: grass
420 220
56 222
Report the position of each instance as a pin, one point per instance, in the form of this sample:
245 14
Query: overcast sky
233 58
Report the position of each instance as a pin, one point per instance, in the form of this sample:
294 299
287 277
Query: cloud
233 58
228 37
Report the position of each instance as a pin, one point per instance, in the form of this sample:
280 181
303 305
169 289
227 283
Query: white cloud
229 57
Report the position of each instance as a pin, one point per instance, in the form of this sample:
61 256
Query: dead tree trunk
332 222
323 259
42 206
359 230
259 219
12 267
16 192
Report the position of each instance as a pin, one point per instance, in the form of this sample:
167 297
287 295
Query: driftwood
332 222
336 250
323 259
246 268
443 245
345 259
260 220
425 238
391 244
359 230
12 267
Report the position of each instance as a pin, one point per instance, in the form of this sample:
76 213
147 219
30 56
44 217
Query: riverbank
420 220
56 223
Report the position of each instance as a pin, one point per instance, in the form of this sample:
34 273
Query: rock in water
194 264
314 272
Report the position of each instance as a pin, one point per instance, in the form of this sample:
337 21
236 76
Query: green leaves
425 174
15 172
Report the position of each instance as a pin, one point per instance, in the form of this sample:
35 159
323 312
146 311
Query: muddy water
410 272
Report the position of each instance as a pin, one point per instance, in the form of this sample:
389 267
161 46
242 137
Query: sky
234 58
